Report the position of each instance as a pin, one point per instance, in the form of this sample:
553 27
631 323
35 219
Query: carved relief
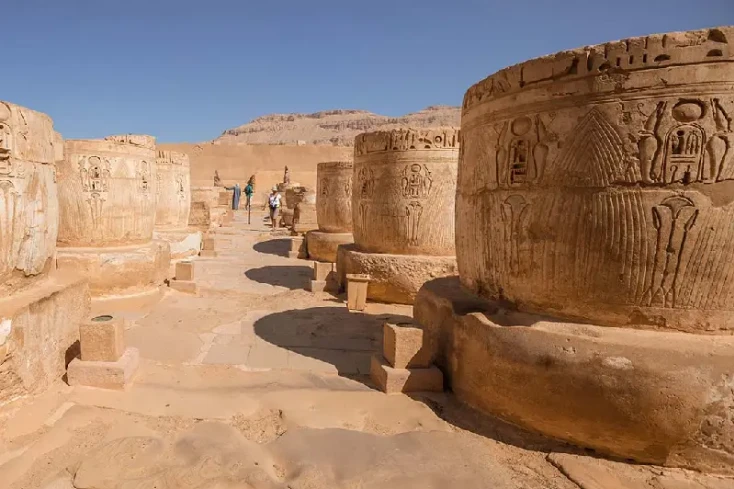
413 213
143 176
406 140
673 219
95 177
522 151
6 138
416 182
515 216
366 182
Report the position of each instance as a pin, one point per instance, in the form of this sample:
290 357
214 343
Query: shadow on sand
291 277
277 247
331 335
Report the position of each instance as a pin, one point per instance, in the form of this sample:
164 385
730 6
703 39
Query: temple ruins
107 208
404 187
173 207
40 307
333 210
593 239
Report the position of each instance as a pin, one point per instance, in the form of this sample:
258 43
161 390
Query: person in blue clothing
249 190
235 195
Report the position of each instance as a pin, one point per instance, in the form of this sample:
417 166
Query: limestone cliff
332 127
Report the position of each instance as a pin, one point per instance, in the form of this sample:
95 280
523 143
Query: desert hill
332 127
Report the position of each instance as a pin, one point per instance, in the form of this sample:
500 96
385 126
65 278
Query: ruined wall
404 190
108 193
599 183
28 199
174 190
334 196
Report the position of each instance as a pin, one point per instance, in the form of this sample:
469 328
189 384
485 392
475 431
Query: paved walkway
253 311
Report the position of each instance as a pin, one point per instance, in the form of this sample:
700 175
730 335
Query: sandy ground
257 383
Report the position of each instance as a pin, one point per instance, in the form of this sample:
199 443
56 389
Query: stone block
102 339
185 270
317 285
321 270
106 375
294 254
208 244
403 346
396 380
185 286
208 254
296 243
357 291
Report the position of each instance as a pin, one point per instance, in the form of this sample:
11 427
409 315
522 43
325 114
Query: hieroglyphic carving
515 216
673 219
6 137
142 173
366 182
406 140
522 151
95 175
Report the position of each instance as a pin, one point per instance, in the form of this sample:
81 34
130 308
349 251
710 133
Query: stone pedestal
658 397
394 278
324 277
208 248
357 291
402 380
107 196
403 210
298 248
184 278
104 361
40 306
323 246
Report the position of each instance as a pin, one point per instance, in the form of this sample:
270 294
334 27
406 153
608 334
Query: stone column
206 213
107 194
403 211
40 309
333 210
304 214
173 205
596 197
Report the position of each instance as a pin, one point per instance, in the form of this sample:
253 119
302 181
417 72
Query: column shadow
277 247
293 277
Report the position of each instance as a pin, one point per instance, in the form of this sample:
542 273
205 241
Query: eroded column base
655 397
323 246
39 333
184 243
105 375
120 272
393 278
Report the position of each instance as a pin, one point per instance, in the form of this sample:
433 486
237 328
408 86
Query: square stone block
208 244
106 375
317 286
294 254
208 254
102 339
185 270
357 291
322 270
296 244
396 380
185 286
403 347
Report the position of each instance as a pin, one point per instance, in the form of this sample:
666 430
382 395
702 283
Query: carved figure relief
366 182
413 213
416 181
515 217
143 175
324 187
522 151
673 219
180 187
6 143
95 175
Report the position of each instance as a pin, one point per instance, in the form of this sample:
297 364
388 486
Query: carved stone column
403 190
333 210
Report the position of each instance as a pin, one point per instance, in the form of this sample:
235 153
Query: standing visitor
235 196
274 202
249 190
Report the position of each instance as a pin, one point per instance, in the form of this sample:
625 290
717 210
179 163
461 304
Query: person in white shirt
274 203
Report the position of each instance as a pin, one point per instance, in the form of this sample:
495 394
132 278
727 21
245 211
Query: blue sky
187 70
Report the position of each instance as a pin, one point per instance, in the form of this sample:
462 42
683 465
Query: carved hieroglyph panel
28 198
609 199
334 196
107 194
174 190
403 191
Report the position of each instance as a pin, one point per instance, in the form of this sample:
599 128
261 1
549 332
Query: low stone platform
323 246
184 243
655 397
105 375
120 271
394 279
39 333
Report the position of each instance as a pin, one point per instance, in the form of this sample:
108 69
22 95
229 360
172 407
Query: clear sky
187 70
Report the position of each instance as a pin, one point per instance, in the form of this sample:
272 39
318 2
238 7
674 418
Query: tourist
235 196
274 202
249 190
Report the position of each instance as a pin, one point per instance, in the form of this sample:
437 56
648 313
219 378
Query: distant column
333 210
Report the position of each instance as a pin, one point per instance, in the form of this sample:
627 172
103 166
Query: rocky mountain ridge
333 127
